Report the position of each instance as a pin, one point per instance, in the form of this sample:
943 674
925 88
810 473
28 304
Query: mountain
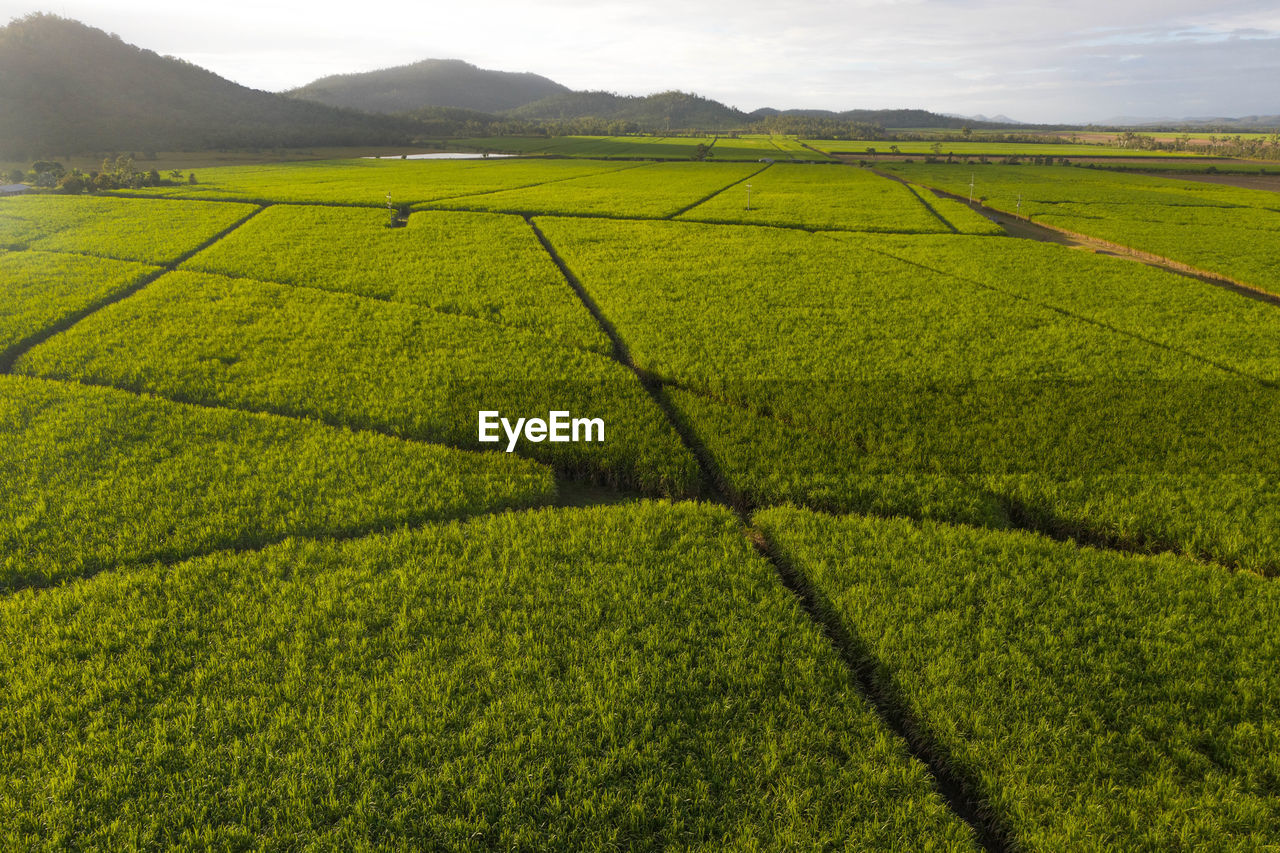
69 88
663 111
430 83
999 118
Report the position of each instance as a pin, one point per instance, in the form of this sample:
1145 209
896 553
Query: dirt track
1016 226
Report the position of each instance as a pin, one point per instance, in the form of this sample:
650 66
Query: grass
650 191
258 590
40 289
366 183
723 148
803 196
478 265
615 678
98 478
1096 700
1225 230
363 363
988 381
154 232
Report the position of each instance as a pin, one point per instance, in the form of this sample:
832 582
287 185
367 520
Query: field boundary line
261 202
712 477
253 546
1019 514
386 300
562 470
723 189
379 205
931 208
1242 288
1066 312
429 207
954 791
11 356
827 158
526 214
527 186
876 684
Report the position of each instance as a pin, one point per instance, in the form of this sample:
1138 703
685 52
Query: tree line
117 173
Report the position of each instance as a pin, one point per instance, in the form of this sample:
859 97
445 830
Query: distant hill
1205 124
68 88
430 83
663 111
895 118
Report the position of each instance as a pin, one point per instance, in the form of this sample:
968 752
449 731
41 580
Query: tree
74 181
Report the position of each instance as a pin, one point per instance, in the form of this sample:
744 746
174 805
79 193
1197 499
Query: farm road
1017 226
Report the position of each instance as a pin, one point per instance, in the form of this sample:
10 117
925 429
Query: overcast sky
1032 60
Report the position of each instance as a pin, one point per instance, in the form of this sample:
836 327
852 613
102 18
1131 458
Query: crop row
601 679
865 373
480 265
820 197
368 182
96 478
748 147
762 147
1093 700
654 190
763 303
409 371
38 289
1141 301
154 232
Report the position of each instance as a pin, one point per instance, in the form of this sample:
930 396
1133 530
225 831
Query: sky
1034 61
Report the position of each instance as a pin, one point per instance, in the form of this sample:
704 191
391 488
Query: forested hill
67 88
663 111
430 83
886 118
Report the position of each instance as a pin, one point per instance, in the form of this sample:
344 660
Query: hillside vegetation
66 87
429 83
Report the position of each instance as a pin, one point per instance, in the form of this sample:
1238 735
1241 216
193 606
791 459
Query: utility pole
971 188
1019 213
748 196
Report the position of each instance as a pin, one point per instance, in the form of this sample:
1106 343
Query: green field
737 147
1221 229
900 532
654 190
1080 689
947 148
367 183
